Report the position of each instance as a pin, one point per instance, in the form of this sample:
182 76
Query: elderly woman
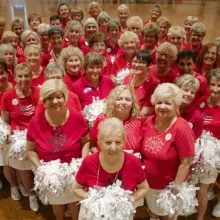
77 14
168 145
102 21
71 59
209 107
17 108
189 21
94 9
155 13
197 33
110 164
207 58
63 11
57 121
32 54
123 14
162 71
55 71
129 44
7 53
122 104
98 44
42 31
140 80
164 25
189 86
17 26
93 84
34 19
150 36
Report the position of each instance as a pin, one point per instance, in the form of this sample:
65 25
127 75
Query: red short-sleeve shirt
131 174
70 79
62 142
37 82
112 51
21 110
133 130
161 152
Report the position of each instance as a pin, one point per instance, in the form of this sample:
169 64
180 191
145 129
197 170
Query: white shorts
19 164
151 198
208 177
3 155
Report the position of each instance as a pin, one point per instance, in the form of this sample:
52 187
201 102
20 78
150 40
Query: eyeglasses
167 56
97 45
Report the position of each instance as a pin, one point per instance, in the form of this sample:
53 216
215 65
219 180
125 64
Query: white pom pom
92 111
4 131
17 149
109 203
121 75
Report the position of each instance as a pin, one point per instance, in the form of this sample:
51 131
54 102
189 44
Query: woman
71 59
94 10
129 44
42 31
2 27
102 21
77 14
32 54
155 13
150 36
189 86
209 106
168 145
123 15
34 19
63 11
165 57
122 104
207 59
17 26
93 84
190 20
140 80
57 122
17 108
111 163
7 53
164 25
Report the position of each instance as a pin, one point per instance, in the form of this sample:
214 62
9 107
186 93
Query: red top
11 78
211 116
203 88
168 78
162 152
195 120
72 103
144 91
19 51
153 55
133 130
131 174
21 110
37 82
62 142
84 46
86 92
70 79
107 68
112 51
47 58
188 47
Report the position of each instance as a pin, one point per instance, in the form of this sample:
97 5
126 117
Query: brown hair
32 16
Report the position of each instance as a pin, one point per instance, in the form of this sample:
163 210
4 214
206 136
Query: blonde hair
43 28
103 16
123 7
26 34
191 19
156 6
8 47
53 67
22 66
51 86
135 20
164 20
17 21
176 29
91 4
32 46
71 25
8 35
168 46
110 102
128 35
198 27
167 91
151 28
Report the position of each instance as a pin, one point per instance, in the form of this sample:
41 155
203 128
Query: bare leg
59 211
202 196
18 176
27 179
74 209
153 216
10 175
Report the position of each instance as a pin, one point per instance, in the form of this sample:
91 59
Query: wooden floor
209 14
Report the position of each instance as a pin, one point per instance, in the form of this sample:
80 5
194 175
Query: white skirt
19 164
3 155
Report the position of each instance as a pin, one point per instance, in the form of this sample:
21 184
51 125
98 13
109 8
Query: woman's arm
5 116
32 154
79 190
141 191
85 145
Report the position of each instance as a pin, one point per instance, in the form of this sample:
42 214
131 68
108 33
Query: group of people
170 94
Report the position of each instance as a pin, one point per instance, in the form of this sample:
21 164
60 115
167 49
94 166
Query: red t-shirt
86 92
211 116
133 130
168 78
188 47
144 91
72 104
47 58
107 68
195 120
70 79
62 142
21 110
161 152
112 51
37 82
131 174
84 45
19 51
153 55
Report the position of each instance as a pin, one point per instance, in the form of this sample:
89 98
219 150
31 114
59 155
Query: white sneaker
33 203
22 190
216 210
211 195
15 194
1 184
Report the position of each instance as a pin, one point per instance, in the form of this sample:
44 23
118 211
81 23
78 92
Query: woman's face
34 23
114 33
94 10
73 65
31 39
123 16
189 94
196 38
3 76
23 78
210 56
103 24
138 66
214 88
135 28
55 74
74 34
163 29
164 58
165 108
13 42
18 29
129 46
33 57
8 56
155 13
123 103
99 47
77 17
177 40
90 30
55 101
56 41
186 66
93 72
44 39
64 11
187 26
149 40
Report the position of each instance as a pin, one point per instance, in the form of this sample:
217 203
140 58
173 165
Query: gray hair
198 27
8 47
128 35
71 24
26 34
103 16
53 67
176 29
135 20
43 28
168 46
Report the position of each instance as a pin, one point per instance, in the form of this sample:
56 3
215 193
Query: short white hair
170 47
176 29
128 35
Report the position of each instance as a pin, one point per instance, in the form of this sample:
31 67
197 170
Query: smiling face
23 79
18 29
114 33
164 59
99 48
31 39
73 65
177 40
129 46
93 72
210 56
149 40
187 26
123 16
64 11
44 39
154 13
163 29
94 11
55 101
34 23
33 57
214 88
186 66
138 66
196 38
90 30
189 94
56 41
13 42
74 34
8 56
